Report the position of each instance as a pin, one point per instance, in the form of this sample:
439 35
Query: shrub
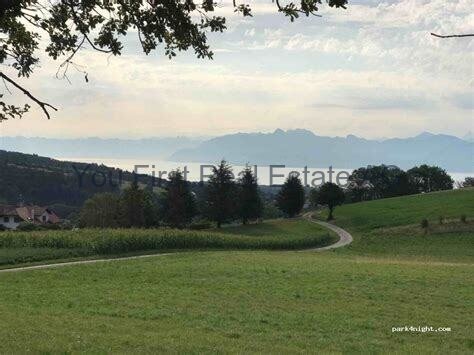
28 227
52 227
463 218
201 225
441 219
424 224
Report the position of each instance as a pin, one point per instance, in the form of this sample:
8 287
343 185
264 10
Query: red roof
30 213
8 211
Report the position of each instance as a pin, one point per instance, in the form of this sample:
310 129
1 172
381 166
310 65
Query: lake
314 176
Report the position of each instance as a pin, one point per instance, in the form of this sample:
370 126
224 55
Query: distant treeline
382 181
66 186
62 185
228 200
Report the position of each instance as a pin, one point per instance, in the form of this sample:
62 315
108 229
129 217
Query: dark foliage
250 202
180 203
101 211
468 182
374 182
331 195
291 198
221 195
425 178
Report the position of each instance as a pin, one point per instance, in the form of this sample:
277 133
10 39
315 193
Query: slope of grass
17 247
391 227
277 228
405 210
238 302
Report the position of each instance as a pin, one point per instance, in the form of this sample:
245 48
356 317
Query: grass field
392 227
344 300
271 302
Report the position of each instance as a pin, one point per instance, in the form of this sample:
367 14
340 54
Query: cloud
372 70
464 101
377 99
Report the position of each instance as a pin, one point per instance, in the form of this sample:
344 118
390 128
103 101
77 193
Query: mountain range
301 147
158 148
296 148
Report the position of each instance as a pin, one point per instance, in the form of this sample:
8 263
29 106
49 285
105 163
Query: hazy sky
372 70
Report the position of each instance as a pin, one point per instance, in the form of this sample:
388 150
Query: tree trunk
330 217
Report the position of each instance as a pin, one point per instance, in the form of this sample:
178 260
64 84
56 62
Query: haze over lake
263 171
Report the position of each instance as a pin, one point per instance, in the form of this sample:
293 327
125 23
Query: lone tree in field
250 203
180 204
290 199
66 27
221 194
331 195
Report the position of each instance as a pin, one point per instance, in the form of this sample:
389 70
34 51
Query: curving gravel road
345 238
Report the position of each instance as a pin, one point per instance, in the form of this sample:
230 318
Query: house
9 218
12 216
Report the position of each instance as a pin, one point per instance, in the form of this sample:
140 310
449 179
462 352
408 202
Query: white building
12 216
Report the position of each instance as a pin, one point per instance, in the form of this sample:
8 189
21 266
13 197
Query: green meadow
395 274
391 228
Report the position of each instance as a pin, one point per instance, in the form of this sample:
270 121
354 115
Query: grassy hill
392 227
406 210
343 301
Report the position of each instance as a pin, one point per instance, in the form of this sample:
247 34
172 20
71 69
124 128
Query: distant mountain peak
297 131
469 137
425 135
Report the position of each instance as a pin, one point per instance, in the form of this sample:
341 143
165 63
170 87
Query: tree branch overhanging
70 25
452 36
44 105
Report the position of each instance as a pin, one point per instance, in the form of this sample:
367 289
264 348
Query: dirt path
81 262
344 239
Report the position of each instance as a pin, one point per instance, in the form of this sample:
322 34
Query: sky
372 70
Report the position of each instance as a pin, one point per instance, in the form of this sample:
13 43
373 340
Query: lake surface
195 171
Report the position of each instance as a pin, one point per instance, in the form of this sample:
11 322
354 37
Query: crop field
21 247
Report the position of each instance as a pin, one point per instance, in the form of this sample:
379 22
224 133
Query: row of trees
225 199
374 182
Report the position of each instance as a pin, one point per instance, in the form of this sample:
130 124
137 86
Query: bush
28 227
52 227
201 225
424 224
463 218
2 228
441 219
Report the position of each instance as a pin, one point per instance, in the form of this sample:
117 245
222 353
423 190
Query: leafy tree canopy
427 178
331 195
67 26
